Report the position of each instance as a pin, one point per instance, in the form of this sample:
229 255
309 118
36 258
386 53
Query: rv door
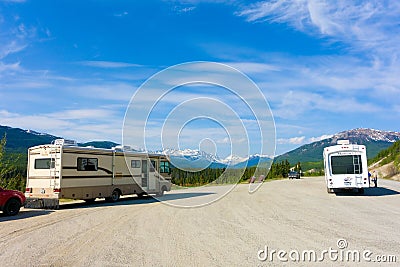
145 174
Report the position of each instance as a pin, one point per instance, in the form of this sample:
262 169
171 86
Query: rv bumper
42 203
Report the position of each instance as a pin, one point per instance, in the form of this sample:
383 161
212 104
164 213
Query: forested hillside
387 162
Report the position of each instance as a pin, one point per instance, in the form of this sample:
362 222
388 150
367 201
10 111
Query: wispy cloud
82 125
319 138
122 14
294 140
253 67
9 67
14 1
11 47
185 9
108 64
363 24
299 140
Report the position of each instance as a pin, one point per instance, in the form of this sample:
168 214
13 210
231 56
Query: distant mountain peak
366 134
375 141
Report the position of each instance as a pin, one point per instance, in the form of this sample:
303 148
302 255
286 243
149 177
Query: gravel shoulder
282 215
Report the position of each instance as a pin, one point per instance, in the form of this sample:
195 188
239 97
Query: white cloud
111 91
11 47
253 67
14 1
302 140
108 64
319 138
185 9
122 14
363 24
83 114
294 140
9 67
82 125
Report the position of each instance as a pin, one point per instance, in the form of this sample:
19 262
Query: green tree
10 175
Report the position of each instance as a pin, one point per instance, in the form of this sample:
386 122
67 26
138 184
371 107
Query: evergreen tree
10 176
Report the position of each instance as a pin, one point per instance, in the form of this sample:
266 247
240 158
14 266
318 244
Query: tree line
231 175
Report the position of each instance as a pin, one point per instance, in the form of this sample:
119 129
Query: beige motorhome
64 170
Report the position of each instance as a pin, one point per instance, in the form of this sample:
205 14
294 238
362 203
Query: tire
160 194
141 195
12 207
329 190
114 196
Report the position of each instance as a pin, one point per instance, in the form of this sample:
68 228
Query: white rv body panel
57 171
346 166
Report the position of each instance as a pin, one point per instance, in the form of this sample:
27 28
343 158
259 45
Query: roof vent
343 142
65 142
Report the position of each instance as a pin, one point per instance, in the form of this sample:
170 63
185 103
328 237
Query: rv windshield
346 164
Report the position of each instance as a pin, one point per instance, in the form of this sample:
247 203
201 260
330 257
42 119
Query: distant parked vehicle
294 175
11 201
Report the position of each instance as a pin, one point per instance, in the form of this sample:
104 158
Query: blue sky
70 68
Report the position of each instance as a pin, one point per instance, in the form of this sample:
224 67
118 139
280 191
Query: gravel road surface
294 216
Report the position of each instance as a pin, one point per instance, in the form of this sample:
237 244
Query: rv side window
164 167
44 163
135 163
87 164
346 164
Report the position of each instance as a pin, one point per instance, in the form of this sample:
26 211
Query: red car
11 201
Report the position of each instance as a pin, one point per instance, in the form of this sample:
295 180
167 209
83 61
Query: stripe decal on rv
97 176
75 168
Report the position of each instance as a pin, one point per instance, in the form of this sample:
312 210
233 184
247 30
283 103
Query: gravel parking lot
286 215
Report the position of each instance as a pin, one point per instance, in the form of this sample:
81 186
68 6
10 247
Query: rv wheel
161 193
141 195
115 195
329 190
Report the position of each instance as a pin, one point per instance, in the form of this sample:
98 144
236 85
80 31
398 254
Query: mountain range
19 140
374 140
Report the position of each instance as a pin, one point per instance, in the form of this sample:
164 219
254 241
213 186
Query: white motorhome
64 170
346 167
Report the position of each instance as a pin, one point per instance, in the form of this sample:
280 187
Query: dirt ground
286 215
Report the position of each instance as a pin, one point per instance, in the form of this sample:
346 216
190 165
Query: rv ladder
356 164
53 168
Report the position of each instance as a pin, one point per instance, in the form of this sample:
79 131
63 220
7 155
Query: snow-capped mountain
192 154
193 158
374 140
232 159
366 135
